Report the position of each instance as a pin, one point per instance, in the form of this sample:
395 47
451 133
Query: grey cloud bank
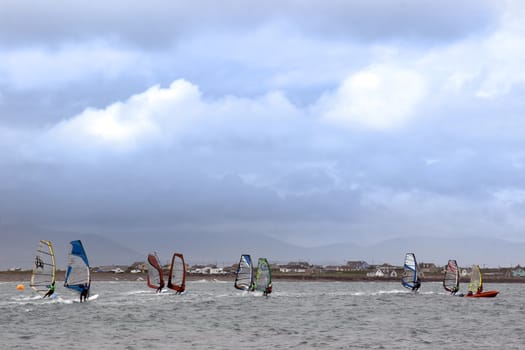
268 121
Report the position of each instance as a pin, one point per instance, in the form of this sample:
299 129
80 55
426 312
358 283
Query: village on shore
298 270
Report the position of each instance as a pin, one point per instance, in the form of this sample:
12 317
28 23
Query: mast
44 269
177 276
244 278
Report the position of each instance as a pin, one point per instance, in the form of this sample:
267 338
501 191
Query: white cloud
503 52
168 116
38 67
378 97
126 125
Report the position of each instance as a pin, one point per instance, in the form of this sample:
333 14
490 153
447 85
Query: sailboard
244 276
410 278
451 278
177 276
263 277
475 287
77 271
43 275
155 275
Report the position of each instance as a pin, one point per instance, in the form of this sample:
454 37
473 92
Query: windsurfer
50 291
267 290
84 293
417 285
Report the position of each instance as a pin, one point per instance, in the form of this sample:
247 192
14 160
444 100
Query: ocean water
297 315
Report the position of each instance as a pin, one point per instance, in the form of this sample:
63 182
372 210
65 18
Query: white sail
244 278
410 278
451 278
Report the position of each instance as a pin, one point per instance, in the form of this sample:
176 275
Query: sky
312 122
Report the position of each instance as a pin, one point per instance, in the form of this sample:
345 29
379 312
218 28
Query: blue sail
77 271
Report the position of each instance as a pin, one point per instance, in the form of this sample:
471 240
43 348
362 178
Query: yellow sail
476 282
44 269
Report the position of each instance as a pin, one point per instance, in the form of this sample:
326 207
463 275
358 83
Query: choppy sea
297 315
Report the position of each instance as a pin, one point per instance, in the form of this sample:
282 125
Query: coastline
25 277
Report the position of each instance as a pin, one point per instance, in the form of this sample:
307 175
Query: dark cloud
165 22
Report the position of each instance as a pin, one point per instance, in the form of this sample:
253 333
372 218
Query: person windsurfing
417 285
160 287
267 290
50 291
84 294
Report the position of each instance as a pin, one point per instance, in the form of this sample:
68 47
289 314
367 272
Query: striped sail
44 269
77 271
177 277
451 279
410 273
155 275
476 283
244 278
263 277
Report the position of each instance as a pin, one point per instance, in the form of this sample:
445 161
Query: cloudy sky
314 122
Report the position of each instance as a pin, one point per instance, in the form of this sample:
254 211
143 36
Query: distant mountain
467 251
18 248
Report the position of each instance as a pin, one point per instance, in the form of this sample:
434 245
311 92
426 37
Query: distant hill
17 249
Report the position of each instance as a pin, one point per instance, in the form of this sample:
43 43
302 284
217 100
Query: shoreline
25 277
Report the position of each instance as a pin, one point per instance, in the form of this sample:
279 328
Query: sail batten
244 276
44 269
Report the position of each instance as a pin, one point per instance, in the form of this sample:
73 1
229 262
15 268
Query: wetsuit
50 291
85 293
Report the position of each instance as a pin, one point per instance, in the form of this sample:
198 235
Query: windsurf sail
44 269
263 277
244 278
410 278
155 275
77 271
451 279
476 282
177 277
